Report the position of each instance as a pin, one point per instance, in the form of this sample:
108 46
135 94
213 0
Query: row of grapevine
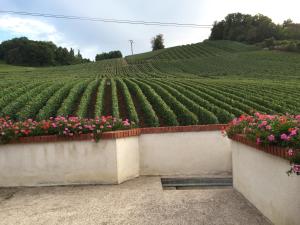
54 103
68 106
14 107
248 96
7 88
219 101
241 102
276 101
184 116
166 102
161 108
210 82
223 115
11 94
148 112
133 116
37 102
99 99
114 95
86 98
204 116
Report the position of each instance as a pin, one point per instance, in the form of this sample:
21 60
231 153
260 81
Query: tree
157 42
287 22
79 56
22 51
108 55
244 28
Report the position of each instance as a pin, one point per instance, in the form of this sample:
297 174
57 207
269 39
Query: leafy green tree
108 55
244 28
157 42
22 51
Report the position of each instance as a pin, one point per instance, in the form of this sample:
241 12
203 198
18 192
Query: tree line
253 29
25 52
157 43
108 55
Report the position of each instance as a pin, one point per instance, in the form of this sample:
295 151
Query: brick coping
270 149
120 133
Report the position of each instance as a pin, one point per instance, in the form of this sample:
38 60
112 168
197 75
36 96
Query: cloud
94 37
34 29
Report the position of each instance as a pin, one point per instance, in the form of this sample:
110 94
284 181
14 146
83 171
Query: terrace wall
74 162
258 172
261 178
119 156
185 153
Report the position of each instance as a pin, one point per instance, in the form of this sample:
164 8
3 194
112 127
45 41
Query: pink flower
296 168
126 123
235 121
268 127
258 141
271 138
257 114
294 132
264 123
290 152
284 137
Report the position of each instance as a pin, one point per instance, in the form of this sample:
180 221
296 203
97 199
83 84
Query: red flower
46 125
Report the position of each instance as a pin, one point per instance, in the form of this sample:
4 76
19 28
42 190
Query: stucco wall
128 158
77 162
113 161
185 153
261 178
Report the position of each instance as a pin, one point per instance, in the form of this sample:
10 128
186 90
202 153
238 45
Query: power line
94 19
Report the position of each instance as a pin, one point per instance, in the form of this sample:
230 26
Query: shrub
278 130
63 126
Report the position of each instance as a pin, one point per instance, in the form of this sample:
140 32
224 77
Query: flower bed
270 130
60 126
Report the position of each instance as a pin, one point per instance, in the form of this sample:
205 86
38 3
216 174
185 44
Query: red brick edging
121 133
273 150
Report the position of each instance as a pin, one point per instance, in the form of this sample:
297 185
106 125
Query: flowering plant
278 130
63 126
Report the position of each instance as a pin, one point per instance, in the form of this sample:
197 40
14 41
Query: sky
96 37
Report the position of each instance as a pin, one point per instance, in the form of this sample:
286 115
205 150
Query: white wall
115 160
262 179
128 158
185 153
77 162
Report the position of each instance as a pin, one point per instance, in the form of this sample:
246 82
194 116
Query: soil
92 103
122 104
107 110
77 103
139 111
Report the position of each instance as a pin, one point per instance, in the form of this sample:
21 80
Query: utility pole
131 45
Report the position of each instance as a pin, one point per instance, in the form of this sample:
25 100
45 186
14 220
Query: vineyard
205 83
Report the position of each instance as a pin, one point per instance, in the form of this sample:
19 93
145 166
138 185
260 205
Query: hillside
208 82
